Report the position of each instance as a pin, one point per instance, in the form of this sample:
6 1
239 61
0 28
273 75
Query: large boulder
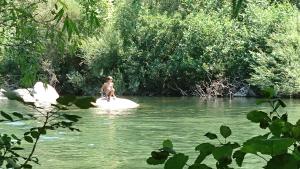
25 94
44 93
2 96
115 104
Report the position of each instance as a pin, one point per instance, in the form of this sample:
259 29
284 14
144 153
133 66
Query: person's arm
102 88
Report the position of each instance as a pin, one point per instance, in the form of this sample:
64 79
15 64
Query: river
124 140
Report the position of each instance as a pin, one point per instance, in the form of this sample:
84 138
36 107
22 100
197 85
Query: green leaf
239 157
70 117
284 161
62 3
85 102
160 155
233 145
34 134
296 132
222 152
153 161
257 116
282 104
6 116
59 15
15 137
296 154
28 139
42 130
168 144
236 7
264 124
211 136
178 161
276 127
17 148
199 166
27 166
284 117
272 146
225 131
19 115
205 150
269 92
279 103
73 27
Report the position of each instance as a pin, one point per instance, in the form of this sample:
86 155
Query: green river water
124 140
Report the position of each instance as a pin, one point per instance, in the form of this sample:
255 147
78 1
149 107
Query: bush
279 64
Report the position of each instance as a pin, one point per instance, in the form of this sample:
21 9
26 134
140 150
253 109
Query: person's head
109 79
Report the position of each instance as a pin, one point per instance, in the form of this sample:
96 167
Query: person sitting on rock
108 88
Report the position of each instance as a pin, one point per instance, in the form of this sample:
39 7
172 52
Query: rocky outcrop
25 94
44 93
115 104
245 91
2 96
41 94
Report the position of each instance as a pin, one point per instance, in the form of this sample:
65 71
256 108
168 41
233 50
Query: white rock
25 94
2 96
115 104
44 93
244 91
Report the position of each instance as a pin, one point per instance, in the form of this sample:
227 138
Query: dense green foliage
279 147
183 47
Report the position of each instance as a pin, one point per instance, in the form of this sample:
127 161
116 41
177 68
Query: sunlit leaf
276 127
272 146
257 116
168 144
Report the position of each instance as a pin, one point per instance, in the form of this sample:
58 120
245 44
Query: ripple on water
124 140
